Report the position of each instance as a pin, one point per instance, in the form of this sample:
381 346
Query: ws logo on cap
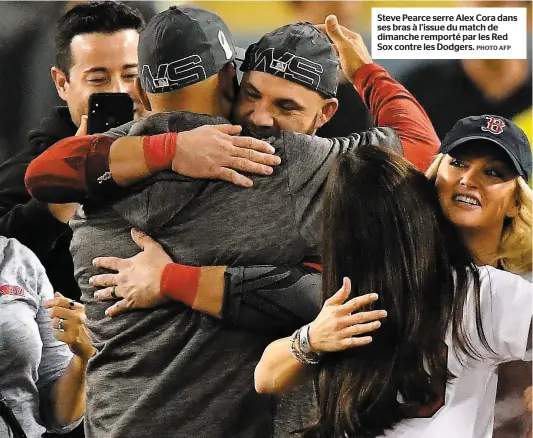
176 74
289 66
494 125
225 45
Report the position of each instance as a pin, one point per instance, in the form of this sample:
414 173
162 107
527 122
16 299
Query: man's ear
328 110
61 82
142 94
227 78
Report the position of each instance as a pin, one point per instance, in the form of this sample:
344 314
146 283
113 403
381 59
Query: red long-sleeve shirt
67 171
390 104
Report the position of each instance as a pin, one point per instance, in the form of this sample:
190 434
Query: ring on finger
113 293
59 326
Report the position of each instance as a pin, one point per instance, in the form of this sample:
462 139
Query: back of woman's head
384 228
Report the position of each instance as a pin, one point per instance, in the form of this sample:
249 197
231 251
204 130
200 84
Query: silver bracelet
305 346
295 353
305 358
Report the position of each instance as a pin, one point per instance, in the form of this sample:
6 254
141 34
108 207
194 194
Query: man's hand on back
218 152
349 45
137 279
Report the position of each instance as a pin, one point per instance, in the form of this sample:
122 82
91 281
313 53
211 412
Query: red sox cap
497 130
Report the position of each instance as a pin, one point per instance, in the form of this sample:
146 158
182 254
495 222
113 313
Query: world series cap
497 130
182 46
299 53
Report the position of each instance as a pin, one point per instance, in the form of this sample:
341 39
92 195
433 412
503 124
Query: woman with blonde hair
429 368
481 174
486 160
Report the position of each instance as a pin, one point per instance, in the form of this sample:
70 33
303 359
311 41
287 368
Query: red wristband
159 151
180 282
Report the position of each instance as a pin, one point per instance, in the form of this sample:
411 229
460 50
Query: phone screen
108 110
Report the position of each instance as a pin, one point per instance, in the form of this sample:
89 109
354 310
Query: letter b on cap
494 125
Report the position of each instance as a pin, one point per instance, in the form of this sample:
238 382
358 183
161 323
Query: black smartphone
108 110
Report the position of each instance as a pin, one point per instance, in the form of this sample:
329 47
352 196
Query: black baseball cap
181 46
497 130
299 53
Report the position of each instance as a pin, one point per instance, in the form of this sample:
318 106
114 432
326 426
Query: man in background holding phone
96 51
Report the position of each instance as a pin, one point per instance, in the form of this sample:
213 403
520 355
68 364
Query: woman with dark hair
429 371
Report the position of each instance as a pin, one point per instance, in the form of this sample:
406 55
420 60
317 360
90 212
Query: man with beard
200 371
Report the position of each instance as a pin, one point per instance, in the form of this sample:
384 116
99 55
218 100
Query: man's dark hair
92 17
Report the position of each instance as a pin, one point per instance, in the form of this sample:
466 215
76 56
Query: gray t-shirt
31 359
171 371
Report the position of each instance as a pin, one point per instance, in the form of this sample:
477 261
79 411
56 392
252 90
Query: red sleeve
69 170
392 105
316 266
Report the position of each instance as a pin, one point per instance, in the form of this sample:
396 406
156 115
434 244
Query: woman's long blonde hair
514 254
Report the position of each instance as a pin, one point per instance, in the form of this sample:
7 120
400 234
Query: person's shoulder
12 248
289 137
495 280
21 269
55 126
120 131
59 116
528 276
173 121
296 145
304 144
